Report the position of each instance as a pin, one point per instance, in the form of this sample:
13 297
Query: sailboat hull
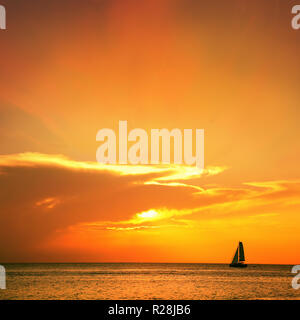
238 265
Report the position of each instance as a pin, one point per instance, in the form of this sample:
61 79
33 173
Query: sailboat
239 257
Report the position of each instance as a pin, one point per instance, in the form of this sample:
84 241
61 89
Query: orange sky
71 68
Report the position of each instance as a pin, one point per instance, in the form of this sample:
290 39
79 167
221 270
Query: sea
154 281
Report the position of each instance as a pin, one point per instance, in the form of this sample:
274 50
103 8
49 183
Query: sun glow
150 214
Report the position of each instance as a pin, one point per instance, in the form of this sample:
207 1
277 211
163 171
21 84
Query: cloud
42 195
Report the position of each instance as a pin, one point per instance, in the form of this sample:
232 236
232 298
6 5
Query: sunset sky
69 68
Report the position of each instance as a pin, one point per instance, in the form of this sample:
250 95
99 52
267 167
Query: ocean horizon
150 281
